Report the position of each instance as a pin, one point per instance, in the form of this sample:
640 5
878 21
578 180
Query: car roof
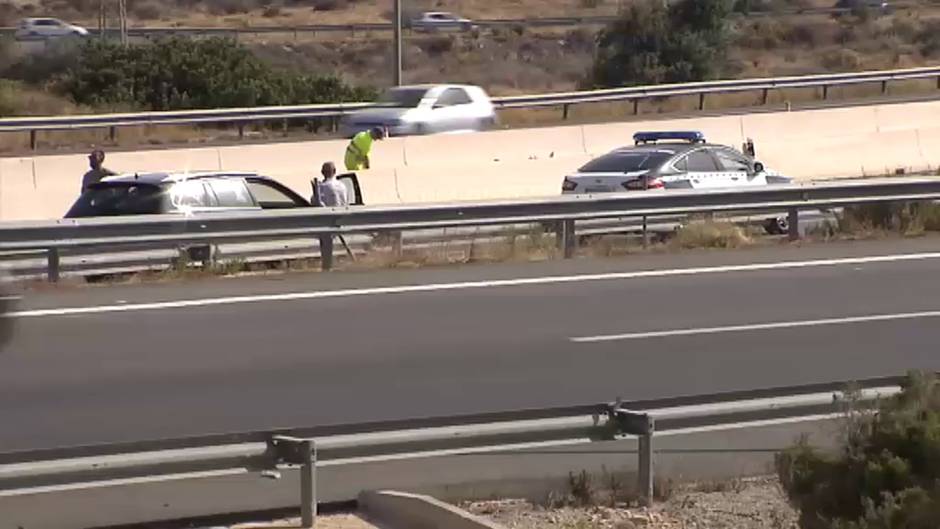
164 177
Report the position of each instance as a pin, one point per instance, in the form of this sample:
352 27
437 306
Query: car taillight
568 185
639 184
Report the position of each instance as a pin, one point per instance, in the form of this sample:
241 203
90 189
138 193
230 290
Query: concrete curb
402 510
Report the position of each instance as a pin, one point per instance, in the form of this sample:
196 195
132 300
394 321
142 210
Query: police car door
702 170
738 169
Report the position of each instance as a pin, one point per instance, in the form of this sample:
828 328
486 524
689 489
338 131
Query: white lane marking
757 327
436 287
10 298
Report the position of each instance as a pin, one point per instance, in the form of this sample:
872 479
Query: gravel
756 503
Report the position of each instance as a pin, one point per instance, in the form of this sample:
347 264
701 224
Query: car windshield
110 199
626 161
402 97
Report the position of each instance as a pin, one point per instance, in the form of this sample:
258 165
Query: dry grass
710 234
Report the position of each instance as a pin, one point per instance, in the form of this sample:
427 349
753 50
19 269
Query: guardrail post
301 452
645 469
326 252
112 133
568 239
884 87
701 101
52 265
308 484
938 83
241 131
564 112
32 140
765 96
643 426
636 106
793 224
825 91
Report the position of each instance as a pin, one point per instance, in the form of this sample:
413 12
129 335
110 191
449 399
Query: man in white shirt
331 192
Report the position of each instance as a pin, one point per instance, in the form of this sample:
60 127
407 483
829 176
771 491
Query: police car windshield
110 199
626 161
402 97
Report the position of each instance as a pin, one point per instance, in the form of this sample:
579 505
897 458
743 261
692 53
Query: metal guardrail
168 231
40 471
243 116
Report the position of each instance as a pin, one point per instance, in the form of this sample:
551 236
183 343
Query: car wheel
777 226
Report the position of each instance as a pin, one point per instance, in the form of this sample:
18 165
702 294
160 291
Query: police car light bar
691 136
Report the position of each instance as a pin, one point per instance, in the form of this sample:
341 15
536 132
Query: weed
710 234
581 488
719 486
663 489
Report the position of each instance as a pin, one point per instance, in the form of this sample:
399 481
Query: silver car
47 28
425 109
440 21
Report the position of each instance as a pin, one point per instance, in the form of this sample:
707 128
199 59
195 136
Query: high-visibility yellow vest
357 152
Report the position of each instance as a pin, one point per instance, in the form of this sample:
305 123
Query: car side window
190 193
270 197
231 193
452 97
701 161
682 164
732 161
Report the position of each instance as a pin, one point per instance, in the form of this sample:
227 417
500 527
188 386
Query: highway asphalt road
147 361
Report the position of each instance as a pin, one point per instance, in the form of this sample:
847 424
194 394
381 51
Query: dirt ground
756 503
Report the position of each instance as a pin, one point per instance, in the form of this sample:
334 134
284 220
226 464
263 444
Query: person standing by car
97 172
359 148
330 193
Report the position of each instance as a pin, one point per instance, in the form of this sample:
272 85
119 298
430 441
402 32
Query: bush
147 10
886 474
189 74
329 5
651 42
229 7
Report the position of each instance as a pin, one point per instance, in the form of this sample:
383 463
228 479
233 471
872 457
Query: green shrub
191 74
652 42
886 474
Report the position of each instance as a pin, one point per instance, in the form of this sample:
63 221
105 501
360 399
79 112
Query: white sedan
440 21
47 28
425 109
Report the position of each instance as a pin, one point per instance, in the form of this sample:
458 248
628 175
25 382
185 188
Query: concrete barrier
401 510
824 143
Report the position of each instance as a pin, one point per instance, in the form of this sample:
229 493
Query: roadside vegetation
886 472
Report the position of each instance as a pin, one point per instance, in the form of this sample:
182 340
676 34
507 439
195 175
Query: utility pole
122 5
397 23
102 19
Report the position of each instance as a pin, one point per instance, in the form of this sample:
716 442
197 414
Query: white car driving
440 21
425 109
47 28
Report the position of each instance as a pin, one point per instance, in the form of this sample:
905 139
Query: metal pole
793 222
397 17
645 470
569 239
52 265
308 484
326 252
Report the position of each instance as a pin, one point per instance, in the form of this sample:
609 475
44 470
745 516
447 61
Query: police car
669 160
674 160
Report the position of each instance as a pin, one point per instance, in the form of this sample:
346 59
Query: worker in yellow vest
357 152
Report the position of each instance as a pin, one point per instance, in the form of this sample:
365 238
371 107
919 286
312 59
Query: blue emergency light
691 136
